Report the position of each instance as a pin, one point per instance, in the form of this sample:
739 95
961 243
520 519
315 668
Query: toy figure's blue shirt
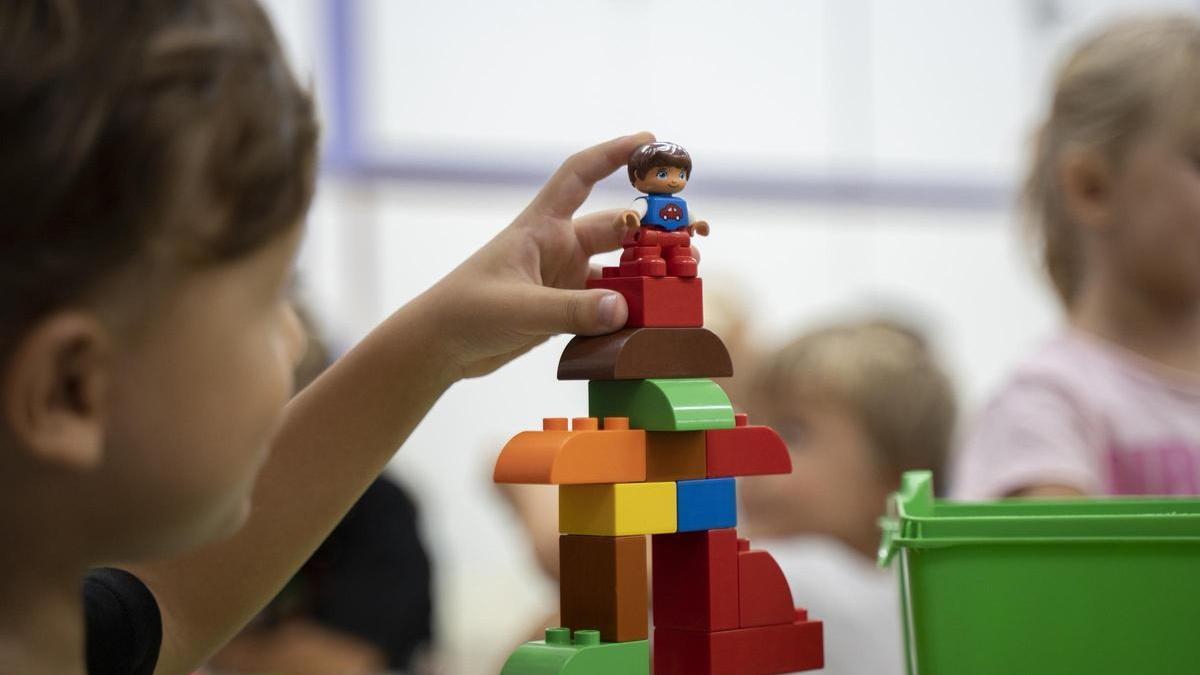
666 211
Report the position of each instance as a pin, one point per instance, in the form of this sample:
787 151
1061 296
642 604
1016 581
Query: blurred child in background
1111 405
858 404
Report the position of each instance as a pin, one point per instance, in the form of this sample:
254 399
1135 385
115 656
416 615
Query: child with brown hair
158 161
858 403
1112 404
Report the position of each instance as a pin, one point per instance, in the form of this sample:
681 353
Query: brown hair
1116 84
659 153
135 132
883 373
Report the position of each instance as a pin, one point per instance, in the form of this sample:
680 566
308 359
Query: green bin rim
916 520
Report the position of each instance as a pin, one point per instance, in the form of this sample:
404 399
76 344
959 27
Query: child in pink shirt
1112 404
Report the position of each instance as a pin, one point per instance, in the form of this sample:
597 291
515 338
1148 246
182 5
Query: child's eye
662 173
682 174
793 432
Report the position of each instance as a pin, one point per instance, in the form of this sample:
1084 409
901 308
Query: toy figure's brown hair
659 153
140 135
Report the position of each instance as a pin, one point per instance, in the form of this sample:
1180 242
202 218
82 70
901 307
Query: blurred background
852 156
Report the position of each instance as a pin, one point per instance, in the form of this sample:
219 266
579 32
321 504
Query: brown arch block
645 353
582 455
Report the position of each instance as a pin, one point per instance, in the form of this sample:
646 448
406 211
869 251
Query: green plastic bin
1096 587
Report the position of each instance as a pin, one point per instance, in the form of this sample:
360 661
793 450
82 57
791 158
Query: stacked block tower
657 456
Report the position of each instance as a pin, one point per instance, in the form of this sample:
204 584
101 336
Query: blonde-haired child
858 403
1111 405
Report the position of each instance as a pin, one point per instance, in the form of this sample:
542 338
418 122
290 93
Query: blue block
707 504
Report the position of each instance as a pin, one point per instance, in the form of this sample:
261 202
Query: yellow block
617 509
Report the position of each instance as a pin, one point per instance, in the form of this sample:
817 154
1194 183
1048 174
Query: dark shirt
371 579
124 627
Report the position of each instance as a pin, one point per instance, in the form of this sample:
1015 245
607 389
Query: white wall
913 104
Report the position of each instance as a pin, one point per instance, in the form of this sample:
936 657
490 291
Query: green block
587 655
662 405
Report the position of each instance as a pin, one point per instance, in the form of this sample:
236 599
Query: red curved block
764 598
746 450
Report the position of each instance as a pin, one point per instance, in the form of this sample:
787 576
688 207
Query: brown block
603 585
644 353
676 455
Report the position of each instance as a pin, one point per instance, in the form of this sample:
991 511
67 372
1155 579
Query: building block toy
675 455
745 450
558 654
584 454
763 650
658 456
695 580
617 510
662 405
665 302
644 353
603 585
764 597
706 504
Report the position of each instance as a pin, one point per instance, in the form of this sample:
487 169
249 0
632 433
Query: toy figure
658 241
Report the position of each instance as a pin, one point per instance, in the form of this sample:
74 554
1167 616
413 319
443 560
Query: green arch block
586 655
662 405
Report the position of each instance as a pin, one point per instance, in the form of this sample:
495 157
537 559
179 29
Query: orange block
581 455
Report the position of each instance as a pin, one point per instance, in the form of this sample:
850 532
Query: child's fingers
596 233
550 311
570 185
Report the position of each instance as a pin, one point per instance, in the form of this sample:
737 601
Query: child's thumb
590 312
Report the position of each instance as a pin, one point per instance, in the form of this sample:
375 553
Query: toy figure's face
663 179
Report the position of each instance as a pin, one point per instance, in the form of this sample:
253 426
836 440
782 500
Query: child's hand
699 227
524 285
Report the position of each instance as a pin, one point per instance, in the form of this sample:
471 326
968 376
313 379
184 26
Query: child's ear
1087 181
55 390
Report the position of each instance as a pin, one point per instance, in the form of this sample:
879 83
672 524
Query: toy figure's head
660 167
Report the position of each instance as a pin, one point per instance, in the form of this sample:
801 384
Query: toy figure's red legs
651 252
643 261
681 261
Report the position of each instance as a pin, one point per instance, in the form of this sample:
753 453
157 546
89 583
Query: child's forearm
335 438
